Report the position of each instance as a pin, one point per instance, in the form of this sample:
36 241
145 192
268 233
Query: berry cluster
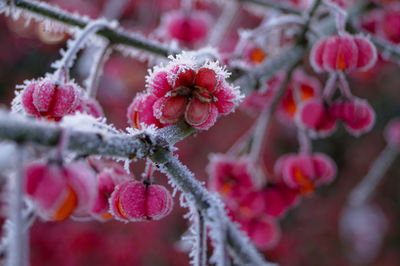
59 191
184 90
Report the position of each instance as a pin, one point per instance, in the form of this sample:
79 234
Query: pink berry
188 28
140 111
59 191
305 172
27 98
367 54
82 179
107 180
231 177
392 133
136 201
46 184
358 116
47 99
279 198
263 231
342 53
305 86
314 115
91 107
390 23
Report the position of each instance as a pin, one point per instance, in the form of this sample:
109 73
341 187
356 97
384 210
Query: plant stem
363 191
273 5
92 82
201 256
115 36
17 250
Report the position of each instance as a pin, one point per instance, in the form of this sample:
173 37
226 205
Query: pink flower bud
232 178
136 201
358 116
90 106
392 133
47 99
315 116
188 28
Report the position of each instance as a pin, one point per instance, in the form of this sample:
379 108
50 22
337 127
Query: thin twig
201 256
115 36
363 191
273 5
93 79
17 250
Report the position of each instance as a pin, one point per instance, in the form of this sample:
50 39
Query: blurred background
310 231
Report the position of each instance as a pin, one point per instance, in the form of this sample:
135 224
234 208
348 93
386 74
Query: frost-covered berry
358 116
187 27
392 133
197 94
314 115
59 191
305 172
301 88
46 98
343 53
140 111
90 106
135 201
107 180
231 177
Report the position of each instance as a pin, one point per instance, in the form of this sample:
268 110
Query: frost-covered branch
19 129
42 11
364 190
273 5
17 249
65 63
